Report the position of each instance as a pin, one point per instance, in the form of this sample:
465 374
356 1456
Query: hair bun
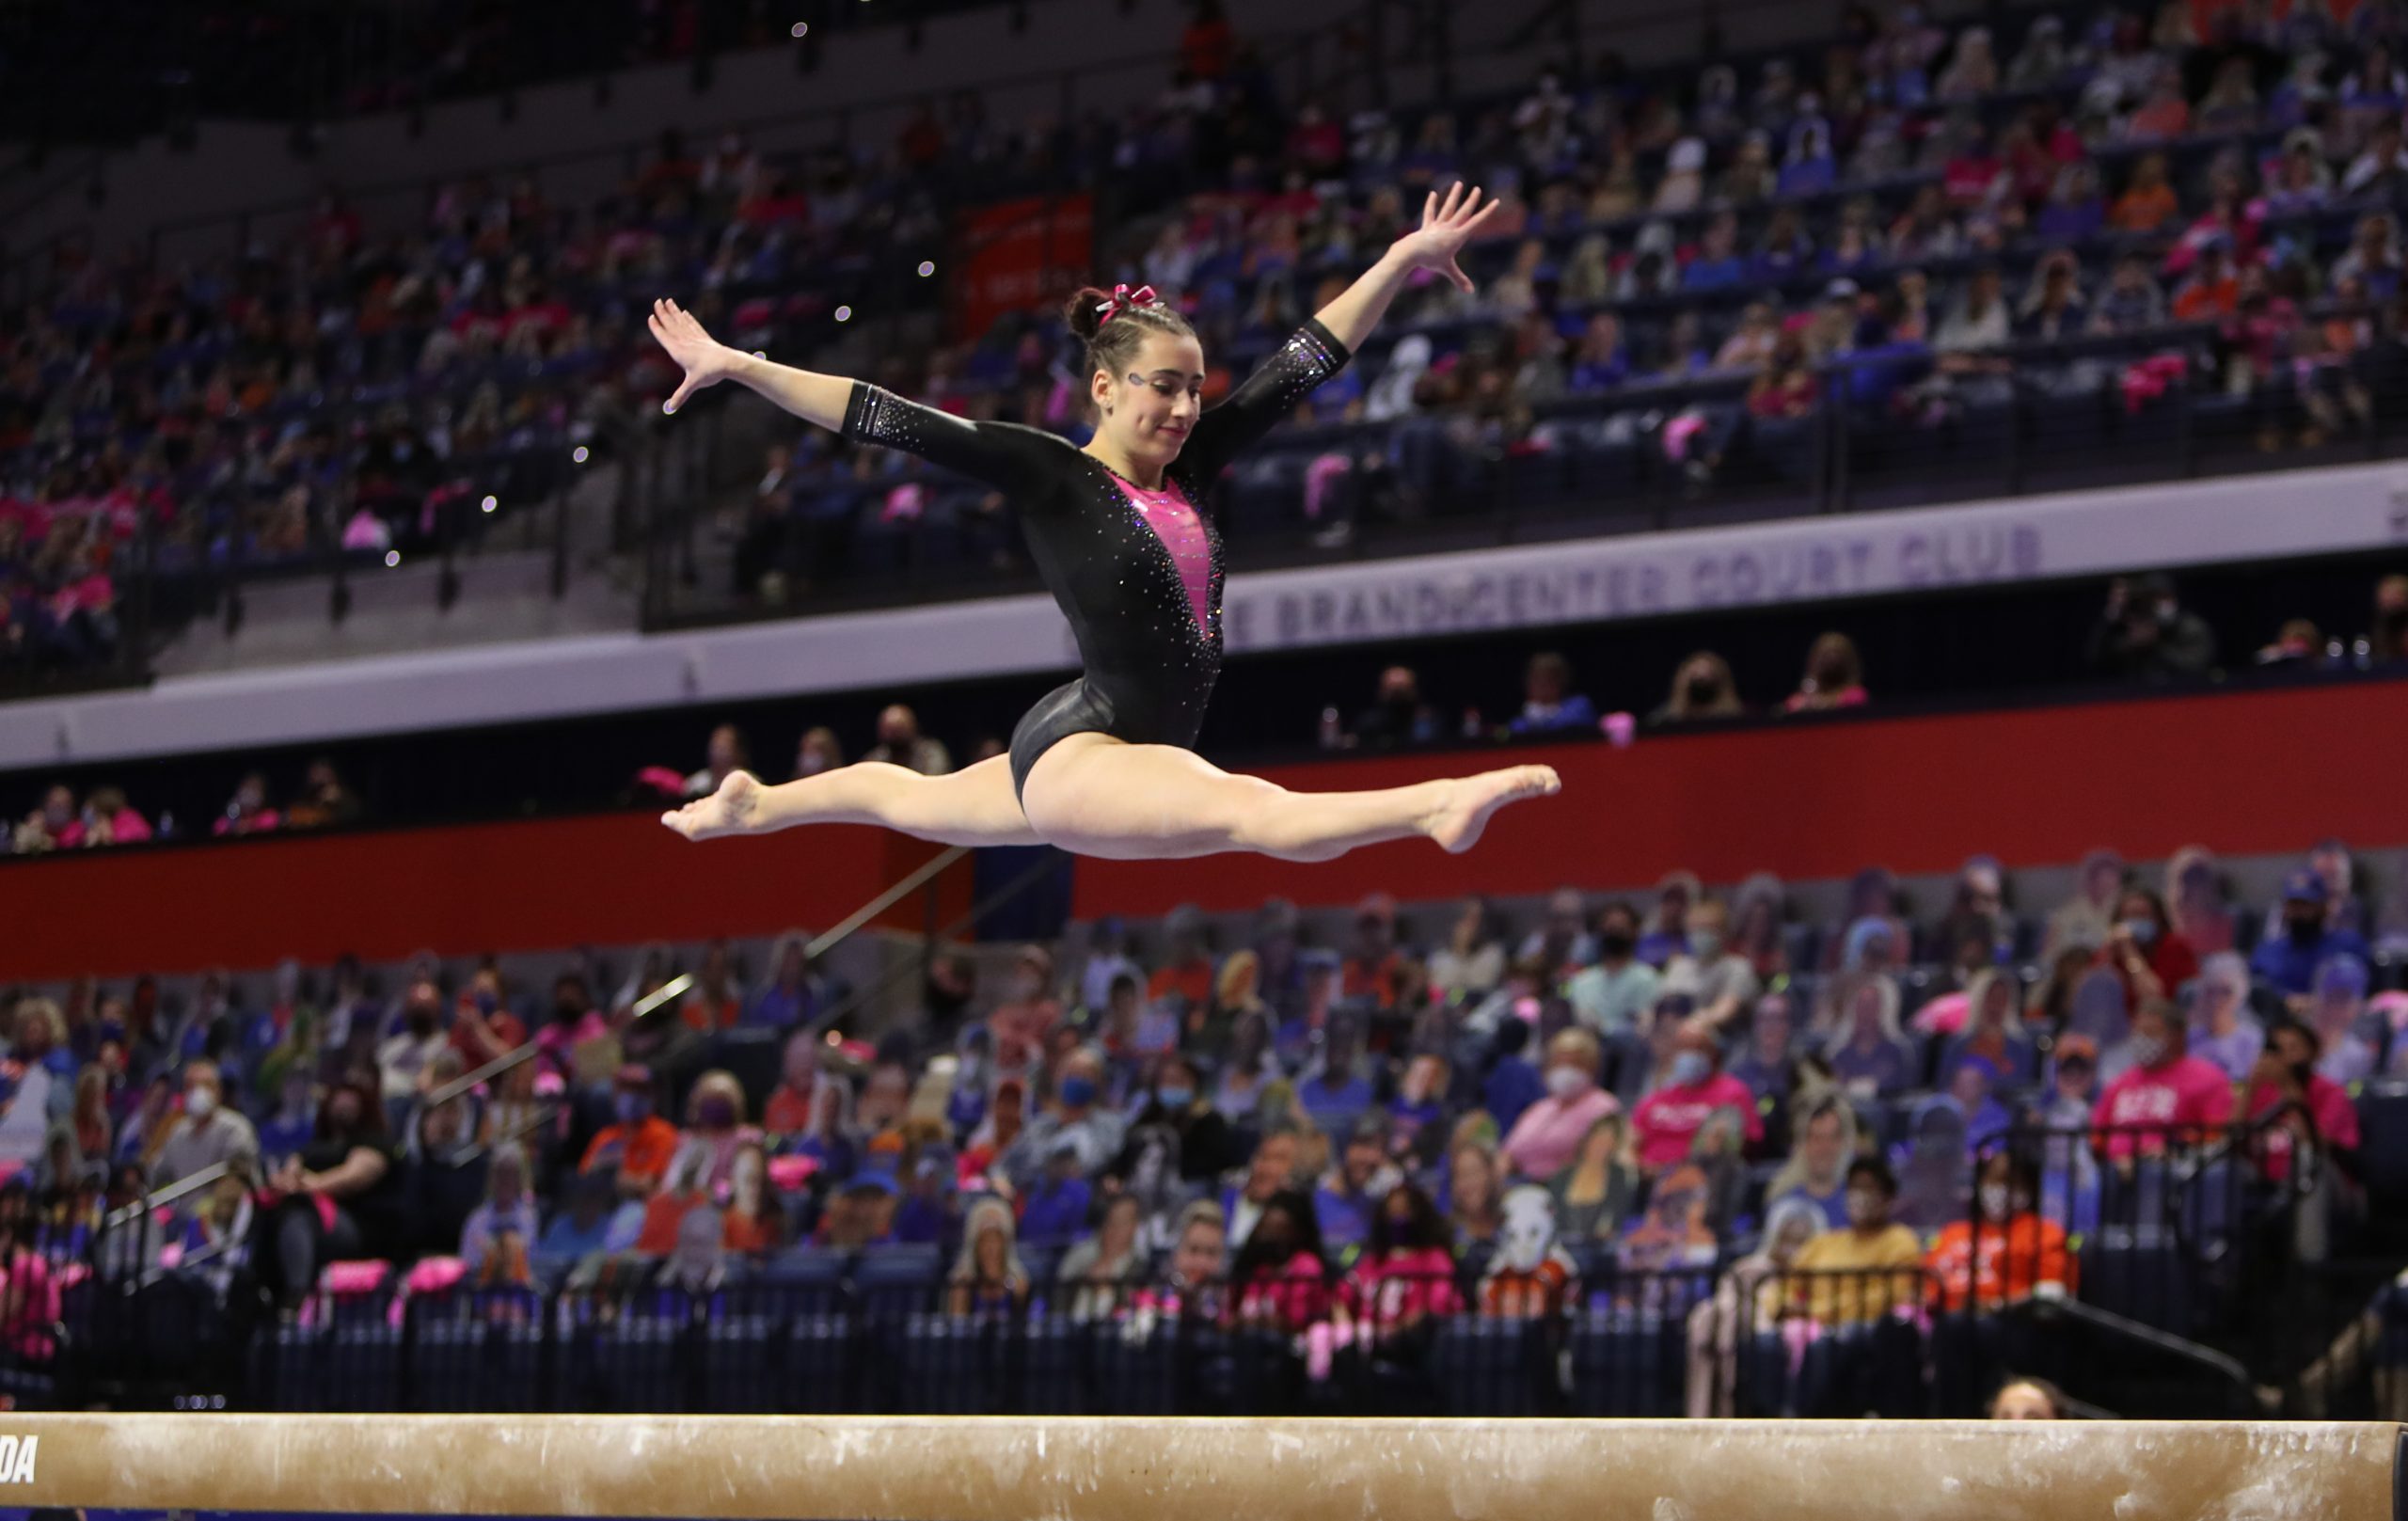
1080 312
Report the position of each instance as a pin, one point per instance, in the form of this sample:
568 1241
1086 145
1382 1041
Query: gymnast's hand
1446 227
733 809
705 361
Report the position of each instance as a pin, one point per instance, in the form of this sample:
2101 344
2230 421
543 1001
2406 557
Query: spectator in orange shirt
788 1110
2148 204
1372 968
2212 294
1186 972
637 1145
2009 1250
715 1002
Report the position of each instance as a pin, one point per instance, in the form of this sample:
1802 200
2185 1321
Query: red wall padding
2245 773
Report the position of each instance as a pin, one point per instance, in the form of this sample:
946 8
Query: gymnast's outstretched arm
1446 227
813 397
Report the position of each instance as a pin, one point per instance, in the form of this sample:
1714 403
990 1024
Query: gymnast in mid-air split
1106 765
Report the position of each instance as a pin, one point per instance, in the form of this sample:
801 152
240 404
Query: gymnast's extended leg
972 806
1098 796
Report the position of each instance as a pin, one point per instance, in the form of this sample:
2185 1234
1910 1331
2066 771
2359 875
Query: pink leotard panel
1174 522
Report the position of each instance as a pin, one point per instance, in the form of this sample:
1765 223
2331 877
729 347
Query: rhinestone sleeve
1005 455
1310 356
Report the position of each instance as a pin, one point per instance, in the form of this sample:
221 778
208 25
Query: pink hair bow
1122 298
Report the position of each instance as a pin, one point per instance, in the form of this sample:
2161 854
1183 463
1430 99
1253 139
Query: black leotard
1148 669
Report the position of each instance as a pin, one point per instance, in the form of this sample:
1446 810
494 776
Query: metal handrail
188 1184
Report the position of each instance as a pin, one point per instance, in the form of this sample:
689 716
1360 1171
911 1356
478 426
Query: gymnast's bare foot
733 809
1457 821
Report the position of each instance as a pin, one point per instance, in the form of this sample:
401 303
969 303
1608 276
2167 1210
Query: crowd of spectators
1841 1119
2207 189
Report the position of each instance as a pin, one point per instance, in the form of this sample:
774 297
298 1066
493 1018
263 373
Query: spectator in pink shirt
1669 1117
105 820
1545 1138
2166 1089
2314 1110
247 811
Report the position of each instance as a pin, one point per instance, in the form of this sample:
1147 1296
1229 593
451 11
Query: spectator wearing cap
1610 995
208 1133
1076 1114
1546 1137
2337 1011
1349 1193
637 1146
1186 971
2167 1098
861 1213
2344 908
1670 1118
2314 1109
2288 962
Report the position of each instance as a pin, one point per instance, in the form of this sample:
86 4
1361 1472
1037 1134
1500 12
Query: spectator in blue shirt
1350 1191
1718 265
1549 705
582 1225
1057 1209
1513 1084
2288 961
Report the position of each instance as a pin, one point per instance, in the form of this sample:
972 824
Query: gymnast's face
1151 405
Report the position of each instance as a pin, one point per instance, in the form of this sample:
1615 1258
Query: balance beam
907 1468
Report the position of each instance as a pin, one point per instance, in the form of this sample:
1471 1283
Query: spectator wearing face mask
1348 1197
1207 1145
2166 1097
2145 951
1547 1136
405 1058
2314 1110
2288 961
1610 995
2144 633
2007 1251
1722 980
1843 1283
1397 716
1702 688
637 1145
714 1126
1078 1115
1670 1118
208 1133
